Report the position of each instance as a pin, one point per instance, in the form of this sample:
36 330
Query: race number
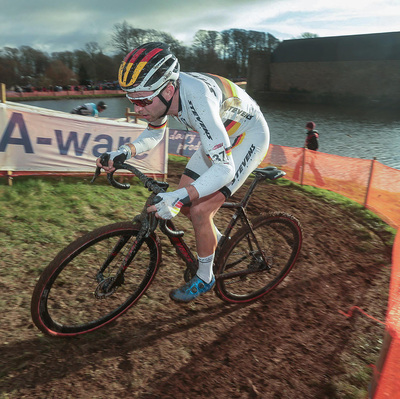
219 154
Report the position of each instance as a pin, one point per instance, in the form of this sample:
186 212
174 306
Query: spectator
312 142
90 109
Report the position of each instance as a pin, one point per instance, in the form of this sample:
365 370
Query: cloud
63 26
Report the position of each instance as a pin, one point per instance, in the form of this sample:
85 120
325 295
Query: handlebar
152 185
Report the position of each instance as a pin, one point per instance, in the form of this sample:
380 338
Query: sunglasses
143 101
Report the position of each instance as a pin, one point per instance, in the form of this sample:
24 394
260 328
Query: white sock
205 270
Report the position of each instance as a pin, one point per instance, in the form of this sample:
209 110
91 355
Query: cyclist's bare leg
201 213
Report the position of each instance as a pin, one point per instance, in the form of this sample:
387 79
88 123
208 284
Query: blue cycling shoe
191 290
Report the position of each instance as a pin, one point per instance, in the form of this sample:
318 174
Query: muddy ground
293 344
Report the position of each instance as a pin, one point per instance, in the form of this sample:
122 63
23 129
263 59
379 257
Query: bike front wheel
251 265
78 292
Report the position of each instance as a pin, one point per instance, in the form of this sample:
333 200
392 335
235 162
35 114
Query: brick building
330 69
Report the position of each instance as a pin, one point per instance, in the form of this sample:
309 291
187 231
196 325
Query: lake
350 132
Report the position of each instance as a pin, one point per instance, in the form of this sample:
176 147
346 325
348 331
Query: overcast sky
68 25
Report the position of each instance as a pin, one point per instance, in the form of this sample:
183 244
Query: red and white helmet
148 67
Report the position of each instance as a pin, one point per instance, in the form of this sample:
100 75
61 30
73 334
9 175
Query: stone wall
370 79
362 68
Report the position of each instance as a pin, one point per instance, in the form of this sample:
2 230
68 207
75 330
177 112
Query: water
357 133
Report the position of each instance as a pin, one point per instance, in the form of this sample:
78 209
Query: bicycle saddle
270 172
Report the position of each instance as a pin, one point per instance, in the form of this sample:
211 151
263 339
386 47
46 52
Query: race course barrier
368 182
386 382
14 96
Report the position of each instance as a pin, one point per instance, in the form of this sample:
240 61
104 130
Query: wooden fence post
3 93
129 113
9 177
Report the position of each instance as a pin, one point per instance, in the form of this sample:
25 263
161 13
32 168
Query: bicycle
100 275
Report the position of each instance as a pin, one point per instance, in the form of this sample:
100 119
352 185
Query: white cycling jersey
233 132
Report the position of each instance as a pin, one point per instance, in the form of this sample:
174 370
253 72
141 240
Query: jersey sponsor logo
201 123
244 163
242 113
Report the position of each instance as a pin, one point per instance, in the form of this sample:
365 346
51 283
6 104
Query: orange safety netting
388 379
384 193
367 182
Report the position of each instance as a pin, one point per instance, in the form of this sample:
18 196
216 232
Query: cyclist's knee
199 211
205 210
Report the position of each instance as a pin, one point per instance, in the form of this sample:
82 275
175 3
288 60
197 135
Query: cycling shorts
248 151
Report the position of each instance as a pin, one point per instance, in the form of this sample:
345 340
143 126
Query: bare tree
122 38
307 35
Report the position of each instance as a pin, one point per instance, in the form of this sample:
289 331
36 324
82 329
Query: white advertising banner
35 139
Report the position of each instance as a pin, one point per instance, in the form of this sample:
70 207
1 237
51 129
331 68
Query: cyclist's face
152 109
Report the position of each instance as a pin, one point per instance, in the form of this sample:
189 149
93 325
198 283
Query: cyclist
234 140
90 109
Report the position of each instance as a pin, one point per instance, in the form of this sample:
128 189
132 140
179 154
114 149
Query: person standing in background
312 141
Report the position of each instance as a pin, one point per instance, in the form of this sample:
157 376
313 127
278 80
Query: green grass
49 210
40 213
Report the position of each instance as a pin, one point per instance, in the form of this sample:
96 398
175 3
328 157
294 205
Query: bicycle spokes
94 280
257 259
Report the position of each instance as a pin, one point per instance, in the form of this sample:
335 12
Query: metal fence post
303 166
371 172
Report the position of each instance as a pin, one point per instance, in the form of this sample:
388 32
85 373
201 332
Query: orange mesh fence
367 182
384 193
388 378
393 316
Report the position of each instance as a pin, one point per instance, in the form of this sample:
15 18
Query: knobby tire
68 299
242 273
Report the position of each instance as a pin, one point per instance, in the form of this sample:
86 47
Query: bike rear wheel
71 296
250 267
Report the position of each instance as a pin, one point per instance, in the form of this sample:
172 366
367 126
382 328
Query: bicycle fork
108 285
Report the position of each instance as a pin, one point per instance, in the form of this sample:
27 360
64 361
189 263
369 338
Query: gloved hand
171 203
121 155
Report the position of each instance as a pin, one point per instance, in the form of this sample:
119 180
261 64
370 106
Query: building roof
370 47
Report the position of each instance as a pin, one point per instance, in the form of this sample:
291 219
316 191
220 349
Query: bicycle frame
175 237
184 252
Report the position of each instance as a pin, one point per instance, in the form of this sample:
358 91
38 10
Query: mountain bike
102 274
